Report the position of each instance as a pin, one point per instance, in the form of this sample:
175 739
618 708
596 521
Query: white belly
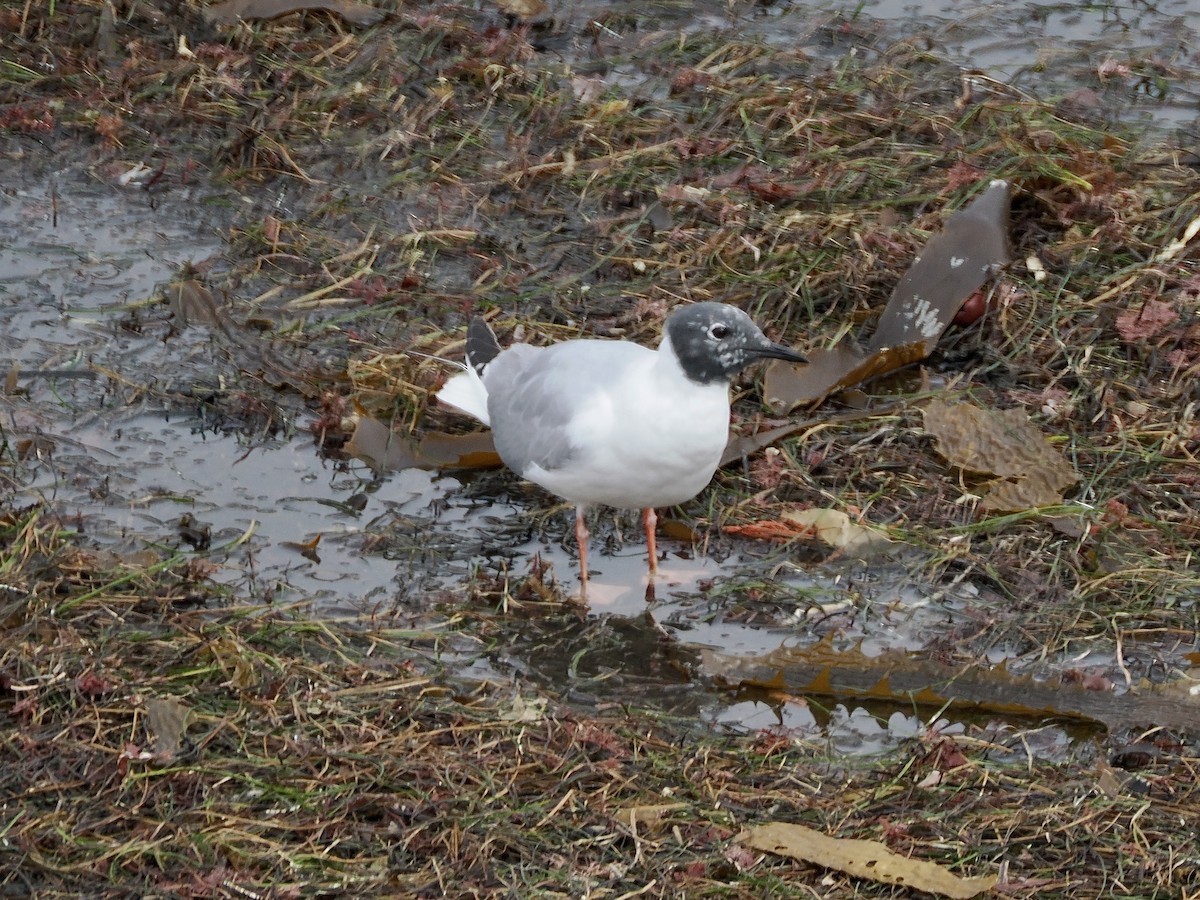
657 450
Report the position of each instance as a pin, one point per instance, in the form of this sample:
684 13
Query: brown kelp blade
954 264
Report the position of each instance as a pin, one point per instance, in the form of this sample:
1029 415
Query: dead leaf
660 217
234 663
685 193
522 9
766 188
679 530
1148 320
588 88
166 722
1023 493
386 450
307 549
1107 780
862 859
1003 443
106 35
35 447
835 528
742 857
231 11
962 174
1073 527
931 780
524 710
192 303
946 756
92 685
766 530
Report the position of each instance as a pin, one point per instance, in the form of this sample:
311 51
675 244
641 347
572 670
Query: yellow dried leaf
522 9
836 529
862 859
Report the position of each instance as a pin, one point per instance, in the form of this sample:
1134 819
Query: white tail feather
466 392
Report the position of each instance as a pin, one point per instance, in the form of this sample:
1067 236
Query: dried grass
327 756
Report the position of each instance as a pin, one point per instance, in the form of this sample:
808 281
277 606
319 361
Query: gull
613 423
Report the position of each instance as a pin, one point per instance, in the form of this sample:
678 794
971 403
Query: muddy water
1106 55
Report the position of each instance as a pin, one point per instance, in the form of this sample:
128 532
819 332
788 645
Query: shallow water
1129 62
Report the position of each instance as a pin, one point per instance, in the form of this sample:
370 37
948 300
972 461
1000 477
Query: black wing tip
482 346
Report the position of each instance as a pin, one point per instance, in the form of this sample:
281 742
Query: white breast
652 439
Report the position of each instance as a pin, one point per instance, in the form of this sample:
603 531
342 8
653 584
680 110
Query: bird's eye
719 331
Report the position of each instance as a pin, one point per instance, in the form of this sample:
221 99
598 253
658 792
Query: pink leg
581 538
650 523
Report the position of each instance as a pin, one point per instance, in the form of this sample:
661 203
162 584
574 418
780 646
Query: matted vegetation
443 161
167 743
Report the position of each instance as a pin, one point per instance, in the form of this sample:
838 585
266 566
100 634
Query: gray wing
535 392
